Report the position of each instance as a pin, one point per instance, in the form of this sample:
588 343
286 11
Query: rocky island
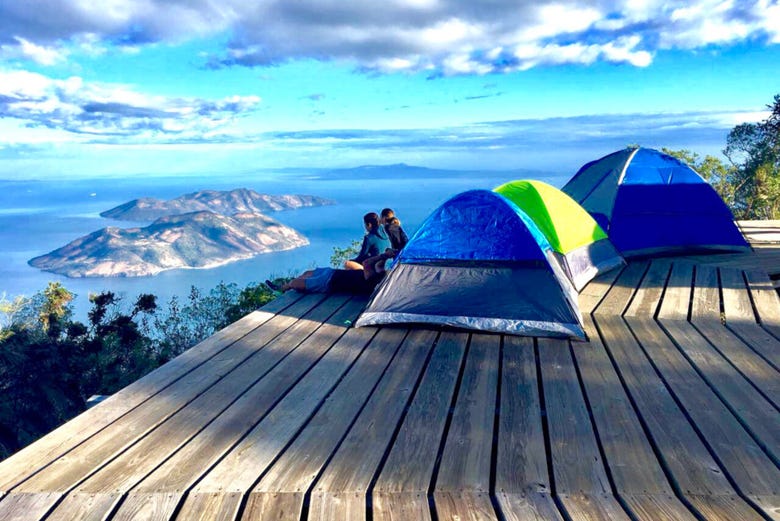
192 240
222 202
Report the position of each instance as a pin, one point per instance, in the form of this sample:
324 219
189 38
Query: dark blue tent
478 262
650 202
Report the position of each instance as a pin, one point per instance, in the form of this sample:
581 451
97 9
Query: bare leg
352 265
299 282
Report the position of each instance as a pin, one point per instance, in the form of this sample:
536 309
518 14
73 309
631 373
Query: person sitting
398 240
392 226
330 280
374 242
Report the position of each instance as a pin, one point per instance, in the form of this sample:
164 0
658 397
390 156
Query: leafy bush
51 364
340 255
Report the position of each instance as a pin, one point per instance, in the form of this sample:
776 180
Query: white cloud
79 107
446 36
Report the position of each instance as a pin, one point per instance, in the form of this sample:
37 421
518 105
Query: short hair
387 212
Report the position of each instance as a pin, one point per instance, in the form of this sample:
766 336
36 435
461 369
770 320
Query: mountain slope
222 202
192 240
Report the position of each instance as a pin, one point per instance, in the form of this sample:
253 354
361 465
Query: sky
170 87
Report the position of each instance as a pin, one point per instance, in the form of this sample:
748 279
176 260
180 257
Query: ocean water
37 217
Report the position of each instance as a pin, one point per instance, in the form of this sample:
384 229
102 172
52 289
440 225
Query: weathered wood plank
766 300
400 506
757 414
637 474
18 506
522 486
677 296
280 493
581 482
212 506
592 294
743 459
213 421
402 486
72 468
648 296
21 465
247 462
472 505
350 472
178 473
639 478
753 367
736 298
706 319
682 453
706 296
760 340
619 297
463 481
741 320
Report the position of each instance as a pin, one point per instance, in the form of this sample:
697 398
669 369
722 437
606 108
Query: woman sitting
398 240
374 242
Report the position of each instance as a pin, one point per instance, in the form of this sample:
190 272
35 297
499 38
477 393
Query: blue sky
195 86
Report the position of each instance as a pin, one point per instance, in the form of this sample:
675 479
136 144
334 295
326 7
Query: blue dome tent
650 202
478 262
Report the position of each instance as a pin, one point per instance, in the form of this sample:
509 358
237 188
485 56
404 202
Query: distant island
201 239
221 202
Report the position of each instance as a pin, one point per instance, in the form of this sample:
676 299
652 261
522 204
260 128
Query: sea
39 216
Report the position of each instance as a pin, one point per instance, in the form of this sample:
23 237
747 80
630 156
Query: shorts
319 282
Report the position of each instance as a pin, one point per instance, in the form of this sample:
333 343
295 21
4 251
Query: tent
478 262
581 246
650 202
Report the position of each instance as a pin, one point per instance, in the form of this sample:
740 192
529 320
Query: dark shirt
397 236
352 282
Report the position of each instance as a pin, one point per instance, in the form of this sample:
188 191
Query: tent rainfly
581 246
478 262
652 203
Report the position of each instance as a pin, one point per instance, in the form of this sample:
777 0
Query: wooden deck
671 411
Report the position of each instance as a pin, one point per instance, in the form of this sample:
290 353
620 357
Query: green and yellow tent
581 246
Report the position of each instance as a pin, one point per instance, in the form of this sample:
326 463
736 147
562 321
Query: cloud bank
440 37
112 110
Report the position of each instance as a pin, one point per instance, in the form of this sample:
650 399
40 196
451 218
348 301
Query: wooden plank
346 480
214 420
618 298
581 482
759 339
757 414
463 481
736 298
401 489
359 357
32 458
592 294
522 487
752 470
766 300
637 474
741 320
683 455
179 473
706 319
648 295
706 296
70 469
639 478
753 367
677 296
